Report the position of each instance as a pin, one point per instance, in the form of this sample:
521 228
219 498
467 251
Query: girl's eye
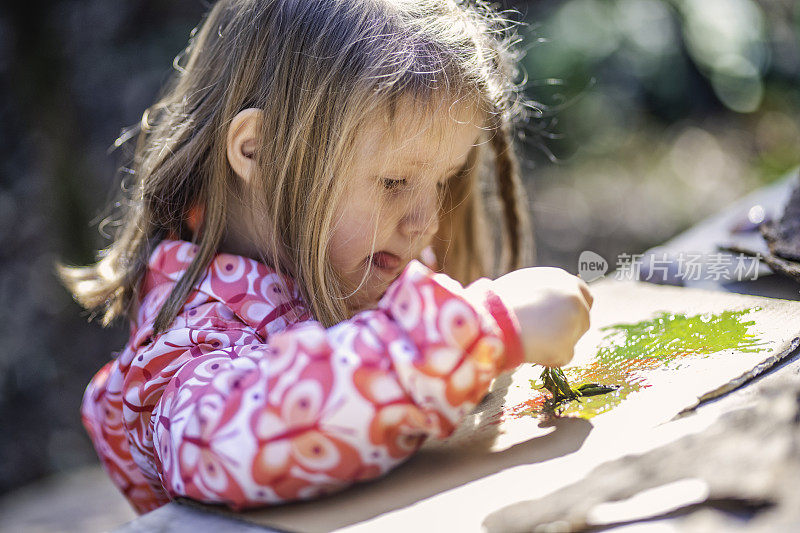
391 184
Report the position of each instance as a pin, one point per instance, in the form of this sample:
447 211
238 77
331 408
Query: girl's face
389 212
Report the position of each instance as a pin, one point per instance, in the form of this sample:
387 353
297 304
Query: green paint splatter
670 336
628 351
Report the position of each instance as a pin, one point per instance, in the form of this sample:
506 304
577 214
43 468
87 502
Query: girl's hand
552 307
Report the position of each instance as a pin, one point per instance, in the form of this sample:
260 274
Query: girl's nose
422 218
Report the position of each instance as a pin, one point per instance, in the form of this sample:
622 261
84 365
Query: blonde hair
316 68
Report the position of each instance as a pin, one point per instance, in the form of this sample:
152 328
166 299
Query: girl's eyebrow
419 164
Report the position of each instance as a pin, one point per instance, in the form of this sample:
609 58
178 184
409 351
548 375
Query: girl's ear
242 142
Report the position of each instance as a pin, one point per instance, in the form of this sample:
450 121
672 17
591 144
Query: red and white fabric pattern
246 401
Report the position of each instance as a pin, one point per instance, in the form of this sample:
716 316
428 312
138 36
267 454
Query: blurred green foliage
659 113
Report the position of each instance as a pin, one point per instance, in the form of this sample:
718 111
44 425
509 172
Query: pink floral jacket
246 401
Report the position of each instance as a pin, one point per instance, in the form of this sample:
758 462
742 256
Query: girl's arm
314 410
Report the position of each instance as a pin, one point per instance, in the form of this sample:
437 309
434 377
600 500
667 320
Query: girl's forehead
423 129
432 117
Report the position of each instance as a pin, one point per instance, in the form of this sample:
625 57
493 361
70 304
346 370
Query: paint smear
630 351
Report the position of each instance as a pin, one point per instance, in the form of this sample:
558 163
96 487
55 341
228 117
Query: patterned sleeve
314 410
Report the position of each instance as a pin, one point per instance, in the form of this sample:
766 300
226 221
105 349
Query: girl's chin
366 299
370 300
372 291
361 305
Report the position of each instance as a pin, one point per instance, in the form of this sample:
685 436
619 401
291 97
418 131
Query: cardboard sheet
502 453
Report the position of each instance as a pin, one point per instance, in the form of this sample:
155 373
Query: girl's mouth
385 261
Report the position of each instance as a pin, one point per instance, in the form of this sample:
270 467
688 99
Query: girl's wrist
509 328
505 319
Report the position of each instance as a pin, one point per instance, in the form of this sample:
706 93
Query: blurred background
654 114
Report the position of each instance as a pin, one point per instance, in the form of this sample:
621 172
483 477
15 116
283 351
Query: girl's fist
552 307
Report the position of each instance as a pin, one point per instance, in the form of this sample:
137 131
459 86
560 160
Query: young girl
305 155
